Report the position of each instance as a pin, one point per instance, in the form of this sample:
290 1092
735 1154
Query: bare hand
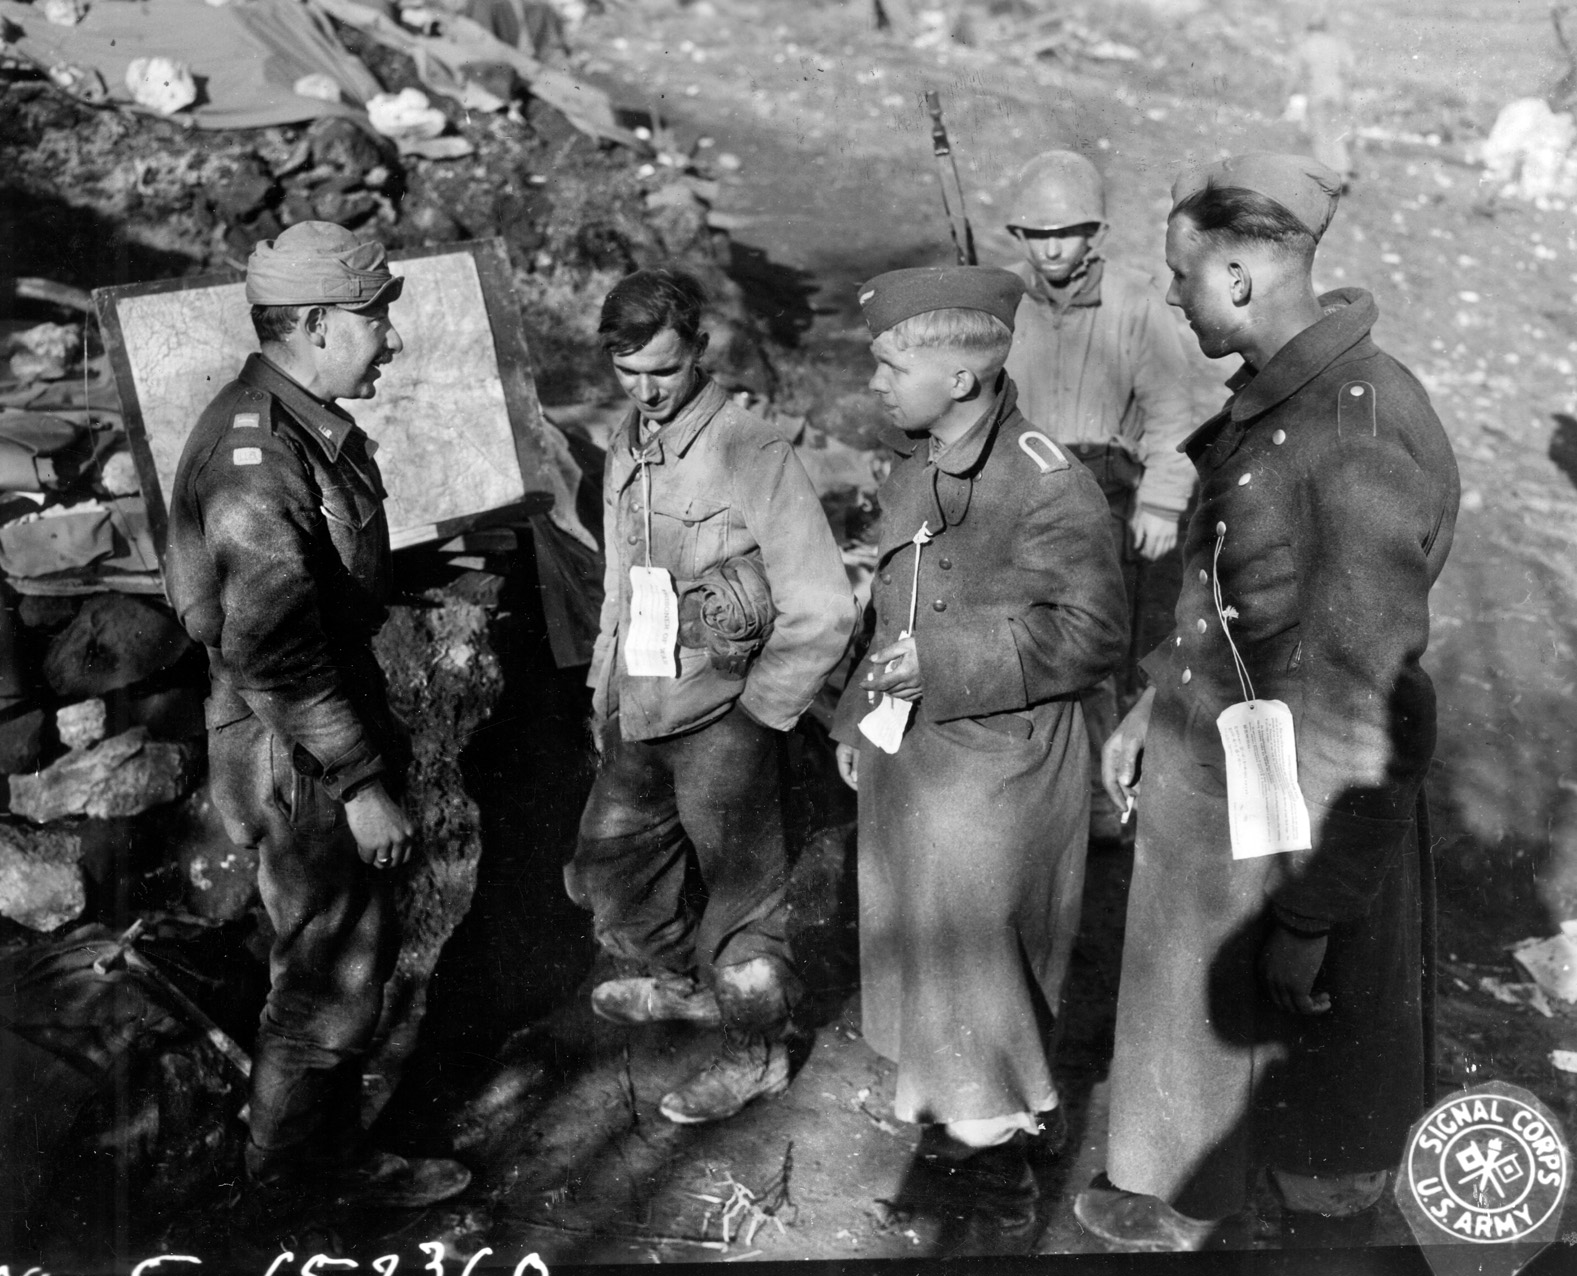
380 827
849 765
902 679
1288 964
1154 535
1122 751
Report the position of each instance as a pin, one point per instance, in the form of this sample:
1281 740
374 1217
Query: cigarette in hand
1123 818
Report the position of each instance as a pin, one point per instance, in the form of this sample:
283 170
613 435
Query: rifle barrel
953 205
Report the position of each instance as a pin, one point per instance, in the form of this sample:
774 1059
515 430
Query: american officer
1270 1009
972 835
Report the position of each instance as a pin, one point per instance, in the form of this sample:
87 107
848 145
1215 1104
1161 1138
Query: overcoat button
1279 437
946 564
1221 529
887 578
1204 576
633 538
1188 676
1243 481
938 605
689 522
1179 640
1201 625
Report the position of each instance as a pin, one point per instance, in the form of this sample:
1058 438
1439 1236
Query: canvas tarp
245 56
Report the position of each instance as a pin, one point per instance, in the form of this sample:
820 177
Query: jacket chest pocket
350 509
692 535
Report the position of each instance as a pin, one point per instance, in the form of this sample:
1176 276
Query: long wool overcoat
1328 497
972 836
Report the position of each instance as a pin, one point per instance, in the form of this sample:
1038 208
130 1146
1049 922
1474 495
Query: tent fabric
441 61
245 56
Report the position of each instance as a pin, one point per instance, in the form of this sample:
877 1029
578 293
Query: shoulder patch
1046 454
245 421
1355 411
247 456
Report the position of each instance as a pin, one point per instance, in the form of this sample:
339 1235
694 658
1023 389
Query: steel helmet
1056 190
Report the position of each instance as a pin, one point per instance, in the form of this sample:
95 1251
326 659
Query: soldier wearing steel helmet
1100 366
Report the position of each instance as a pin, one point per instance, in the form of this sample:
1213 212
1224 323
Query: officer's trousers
335 945
712 794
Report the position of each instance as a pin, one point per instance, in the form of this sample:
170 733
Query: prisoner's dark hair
274 323
641 305
1233 216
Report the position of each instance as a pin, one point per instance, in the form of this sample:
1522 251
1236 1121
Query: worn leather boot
754 1069
1138 1224
372 1180
993 1190
659 998
382 1180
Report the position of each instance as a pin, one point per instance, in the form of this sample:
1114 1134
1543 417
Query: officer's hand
1154 535
849 765
380 827
1122 751
1288 964
902 679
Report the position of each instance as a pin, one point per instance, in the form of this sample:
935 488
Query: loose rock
114 641
125 775
40 876
80 726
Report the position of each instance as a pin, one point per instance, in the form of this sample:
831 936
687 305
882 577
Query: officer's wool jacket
723 485
1107 367
278 562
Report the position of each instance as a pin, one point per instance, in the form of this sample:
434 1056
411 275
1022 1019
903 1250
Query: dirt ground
815 131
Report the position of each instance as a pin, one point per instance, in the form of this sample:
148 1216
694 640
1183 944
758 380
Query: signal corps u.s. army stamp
1485 1167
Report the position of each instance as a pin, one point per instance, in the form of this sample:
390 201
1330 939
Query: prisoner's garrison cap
1303 186
319 263
901 294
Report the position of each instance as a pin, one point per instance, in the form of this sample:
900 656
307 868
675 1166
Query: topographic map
440 418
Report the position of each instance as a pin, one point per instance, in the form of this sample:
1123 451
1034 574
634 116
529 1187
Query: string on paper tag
651 649
884 725
1266 813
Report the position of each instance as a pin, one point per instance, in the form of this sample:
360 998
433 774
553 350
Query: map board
456 417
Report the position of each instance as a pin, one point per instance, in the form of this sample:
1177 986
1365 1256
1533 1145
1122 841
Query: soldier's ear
964 384
1241 282
314 321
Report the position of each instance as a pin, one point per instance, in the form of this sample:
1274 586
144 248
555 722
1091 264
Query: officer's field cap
1056 190
901 294
319 263
1303 186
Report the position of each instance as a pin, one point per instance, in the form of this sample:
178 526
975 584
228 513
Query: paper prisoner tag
1265 806
884 725
651 649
